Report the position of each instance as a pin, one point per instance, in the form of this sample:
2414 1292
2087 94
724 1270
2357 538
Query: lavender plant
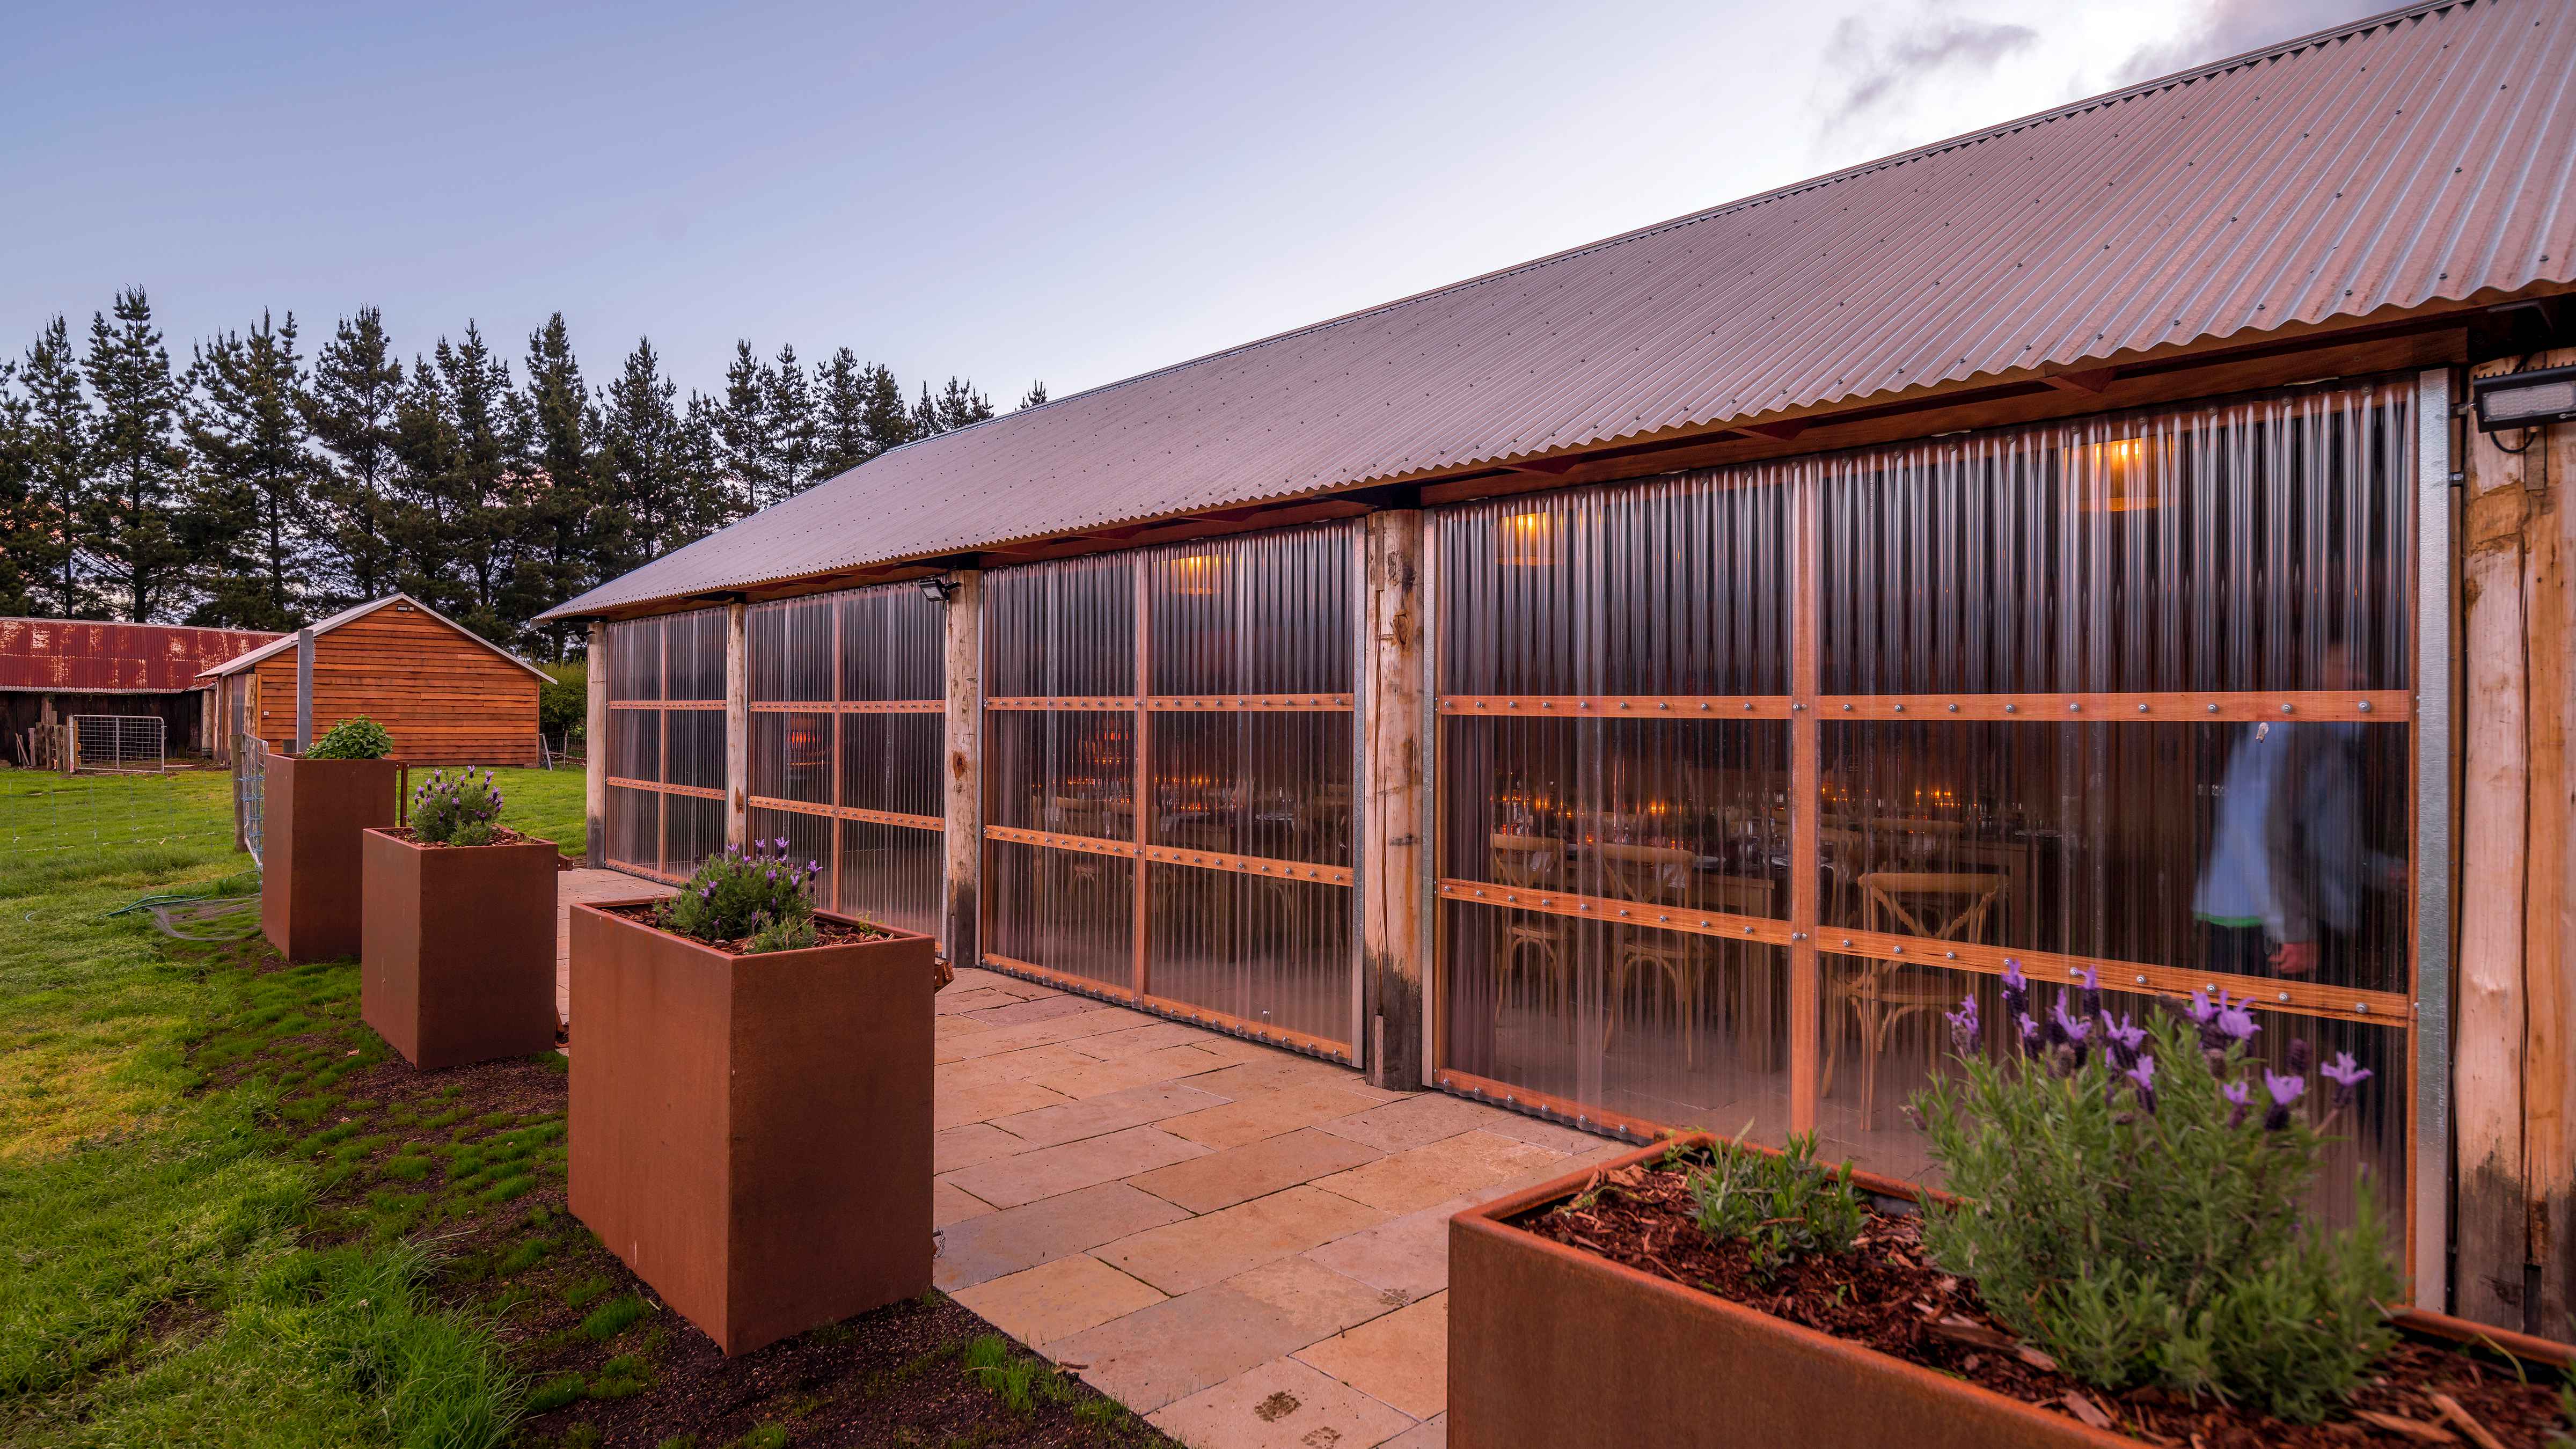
760 896
455 810
2133 1201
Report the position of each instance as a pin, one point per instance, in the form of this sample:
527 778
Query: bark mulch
1889 1297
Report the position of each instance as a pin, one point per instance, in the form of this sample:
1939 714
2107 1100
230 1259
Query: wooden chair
1884 993
1655 875
1532 863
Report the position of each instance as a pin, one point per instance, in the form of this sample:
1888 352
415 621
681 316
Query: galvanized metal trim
1435 963
2436 883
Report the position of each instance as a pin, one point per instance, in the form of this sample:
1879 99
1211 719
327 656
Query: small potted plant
459 957
2125 1256
751 1098
315 807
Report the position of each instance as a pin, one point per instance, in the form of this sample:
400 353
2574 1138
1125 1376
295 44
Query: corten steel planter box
459 961
751 1134
311 887
1551 1346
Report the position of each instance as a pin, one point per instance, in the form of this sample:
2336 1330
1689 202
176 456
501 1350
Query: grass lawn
232 1217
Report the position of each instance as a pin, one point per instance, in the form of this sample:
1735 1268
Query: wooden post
963 840
737 725
1393 953
2549 921
594 750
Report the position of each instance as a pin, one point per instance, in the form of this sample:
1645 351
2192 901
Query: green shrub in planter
758 896
456 810
354 738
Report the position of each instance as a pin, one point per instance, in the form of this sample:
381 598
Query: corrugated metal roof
283 643
2418 157
81 656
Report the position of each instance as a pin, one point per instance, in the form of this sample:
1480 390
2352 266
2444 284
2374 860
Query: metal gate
119 744
250 790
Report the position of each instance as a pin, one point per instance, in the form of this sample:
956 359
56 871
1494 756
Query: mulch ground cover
469 1164
1888 1296
826 932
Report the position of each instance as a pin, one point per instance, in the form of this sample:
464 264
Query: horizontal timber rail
701 792
1248 703
2377 706
1251 865
849 706
1087 844
1742 706
1660 917
666 704
1090 702
849 812
2283 994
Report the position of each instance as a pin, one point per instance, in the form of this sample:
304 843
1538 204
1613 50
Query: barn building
54 669
448 696
1650 685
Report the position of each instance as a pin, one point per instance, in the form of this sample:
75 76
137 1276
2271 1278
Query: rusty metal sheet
2417 158
92 657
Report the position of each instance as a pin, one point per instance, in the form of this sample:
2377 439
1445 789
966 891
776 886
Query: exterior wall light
2525 399
938 588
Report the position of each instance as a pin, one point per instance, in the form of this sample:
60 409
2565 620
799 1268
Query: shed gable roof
354 612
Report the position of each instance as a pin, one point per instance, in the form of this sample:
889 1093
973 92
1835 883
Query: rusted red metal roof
2421 157
80 656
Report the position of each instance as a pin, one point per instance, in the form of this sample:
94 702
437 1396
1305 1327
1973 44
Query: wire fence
250 791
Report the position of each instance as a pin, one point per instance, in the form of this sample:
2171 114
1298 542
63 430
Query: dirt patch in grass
469 1163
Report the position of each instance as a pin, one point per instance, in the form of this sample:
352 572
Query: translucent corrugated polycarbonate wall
848 719
1224 771
665 745
2129 694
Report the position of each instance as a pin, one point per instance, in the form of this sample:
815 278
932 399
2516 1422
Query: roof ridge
2189 75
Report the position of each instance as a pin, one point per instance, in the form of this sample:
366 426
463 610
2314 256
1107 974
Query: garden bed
1885 1296
828 930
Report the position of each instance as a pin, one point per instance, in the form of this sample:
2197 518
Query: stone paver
588 885
1202 1250
1052 1300
1047 1171
1401 1359
1283 1404
1249 1246
1256 1169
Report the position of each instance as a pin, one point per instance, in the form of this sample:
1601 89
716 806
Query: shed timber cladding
446 696
2418 159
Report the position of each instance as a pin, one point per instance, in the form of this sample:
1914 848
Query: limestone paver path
1246 1246
587 885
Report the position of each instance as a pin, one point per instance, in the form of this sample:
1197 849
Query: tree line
258 488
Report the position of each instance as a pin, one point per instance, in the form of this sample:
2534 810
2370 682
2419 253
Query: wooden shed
448 696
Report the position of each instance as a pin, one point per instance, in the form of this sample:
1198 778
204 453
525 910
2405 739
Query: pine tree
925 415
486 487
416 508
960 405
889 422
841 440
245 523
60 484
18 517
709 502
791 427
138 463
657 489
350 408
554 559
742 424
1035 397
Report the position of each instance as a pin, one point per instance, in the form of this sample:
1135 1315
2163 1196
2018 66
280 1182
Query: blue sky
1077 193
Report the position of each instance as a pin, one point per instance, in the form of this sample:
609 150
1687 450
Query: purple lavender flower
2346 1074
2029 1029
2067 1028
2088 991
1963 1026
2235 1023
2202 1012
2284 1090
2121 1038
2302 1055
2239 1095
2142 1075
